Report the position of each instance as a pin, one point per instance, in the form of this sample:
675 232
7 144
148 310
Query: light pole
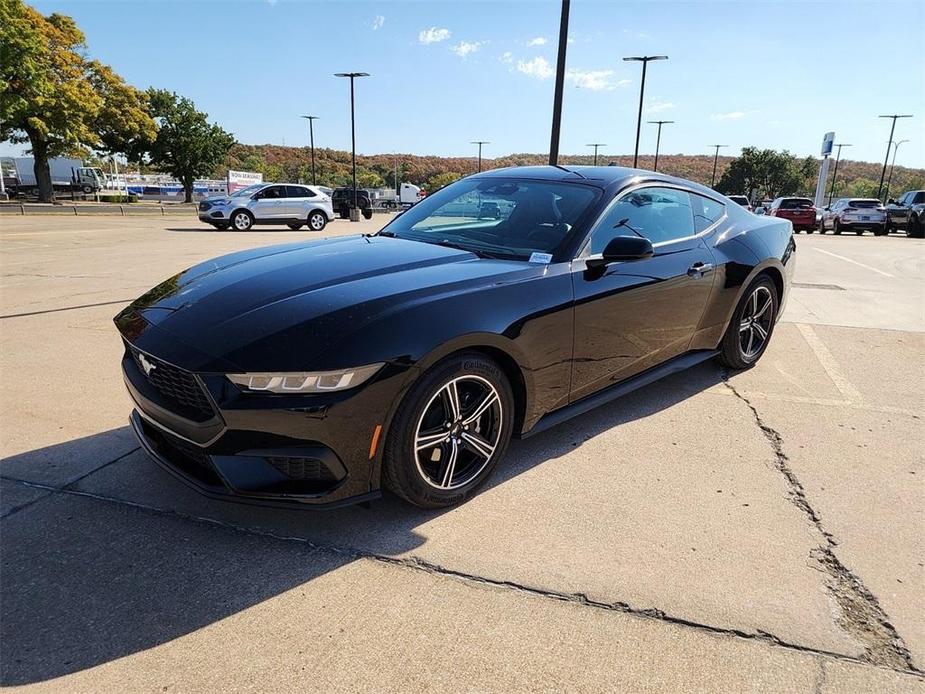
658 140
644 59
889 143
560 83
596 145
715 159
480 143
835 173
889 179
311 139
354 215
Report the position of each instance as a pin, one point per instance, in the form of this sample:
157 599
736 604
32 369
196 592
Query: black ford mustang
316 373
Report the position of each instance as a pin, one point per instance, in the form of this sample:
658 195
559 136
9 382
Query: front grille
303 469
189 458
178 386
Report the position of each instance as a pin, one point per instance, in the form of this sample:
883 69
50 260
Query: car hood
276 308
218 199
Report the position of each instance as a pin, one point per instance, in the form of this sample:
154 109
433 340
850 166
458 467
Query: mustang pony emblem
146 365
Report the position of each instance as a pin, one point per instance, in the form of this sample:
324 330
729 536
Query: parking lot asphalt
746 532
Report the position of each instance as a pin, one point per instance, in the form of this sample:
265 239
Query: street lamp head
310 117
479 142
351 74
660 122
645 58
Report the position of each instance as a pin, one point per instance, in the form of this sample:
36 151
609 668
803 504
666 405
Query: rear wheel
859 232
880 231
836 228
809 230
242 220
751 326
317 221
449 432
821 227
915 228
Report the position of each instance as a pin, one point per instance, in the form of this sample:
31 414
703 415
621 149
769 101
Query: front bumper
213 215
307 451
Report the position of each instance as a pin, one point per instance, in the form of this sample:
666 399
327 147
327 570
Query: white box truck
66 175
408 195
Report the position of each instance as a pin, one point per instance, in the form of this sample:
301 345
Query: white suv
269 203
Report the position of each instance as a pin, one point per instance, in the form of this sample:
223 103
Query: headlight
305 382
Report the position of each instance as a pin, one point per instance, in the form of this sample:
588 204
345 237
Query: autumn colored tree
57 100
187 145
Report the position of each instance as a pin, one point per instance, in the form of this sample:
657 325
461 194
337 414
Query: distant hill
855 178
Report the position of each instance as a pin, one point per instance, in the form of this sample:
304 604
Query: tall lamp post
889 143
311 139
560 84
715 159
480 143
658 139
889 179
354 214
644 59
596 145
835 173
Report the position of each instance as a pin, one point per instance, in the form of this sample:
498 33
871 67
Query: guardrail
117 210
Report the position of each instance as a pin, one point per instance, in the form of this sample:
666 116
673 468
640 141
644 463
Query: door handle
699 269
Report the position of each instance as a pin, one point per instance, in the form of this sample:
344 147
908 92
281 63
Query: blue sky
444 73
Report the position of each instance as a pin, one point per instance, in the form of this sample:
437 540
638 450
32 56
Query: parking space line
854 262
828 362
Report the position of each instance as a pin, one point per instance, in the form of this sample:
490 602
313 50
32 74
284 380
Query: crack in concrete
418 564
861 613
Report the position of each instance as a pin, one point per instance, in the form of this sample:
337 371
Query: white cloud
507 57
623 83
464 48
433 35
657 106
732 115
595 80
538 67
538 41
378 21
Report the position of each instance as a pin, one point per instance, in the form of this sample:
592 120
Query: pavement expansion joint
861 614
417 564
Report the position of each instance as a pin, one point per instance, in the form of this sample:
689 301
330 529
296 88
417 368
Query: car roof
598 176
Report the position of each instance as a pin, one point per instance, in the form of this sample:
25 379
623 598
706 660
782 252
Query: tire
880 231
87 190
914 228
450 471
821 227
344 212
859 232
317 221
738 349
294 227
809 230
221 226
242 220
836 228
367 213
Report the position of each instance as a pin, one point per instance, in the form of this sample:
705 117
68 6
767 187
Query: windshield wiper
390 234
452 244
625 223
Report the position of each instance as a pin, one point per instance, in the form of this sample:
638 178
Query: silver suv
291 204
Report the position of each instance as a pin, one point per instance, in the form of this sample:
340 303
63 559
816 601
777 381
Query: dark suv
342 202
907 213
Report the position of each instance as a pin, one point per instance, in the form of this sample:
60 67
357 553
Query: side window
272 193
658 214
707 212
297 192
917 199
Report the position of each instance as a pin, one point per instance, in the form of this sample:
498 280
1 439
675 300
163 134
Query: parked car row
848 214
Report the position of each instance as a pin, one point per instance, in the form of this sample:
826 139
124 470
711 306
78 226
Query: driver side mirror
622 248
891 201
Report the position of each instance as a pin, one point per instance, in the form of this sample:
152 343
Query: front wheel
449 432
242 220
751 326
836 228
317 221
915 228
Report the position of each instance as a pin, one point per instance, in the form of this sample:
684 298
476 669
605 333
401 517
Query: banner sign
827 141
242 179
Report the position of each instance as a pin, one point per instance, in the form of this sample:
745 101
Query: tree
767 173
55 99
187 145
441 180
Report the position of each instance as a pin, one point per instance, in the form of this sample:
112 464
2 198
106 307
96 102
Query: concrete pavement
748 532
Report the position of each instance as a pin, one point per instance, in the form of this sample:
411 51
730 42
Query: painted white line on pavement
854 262
845 387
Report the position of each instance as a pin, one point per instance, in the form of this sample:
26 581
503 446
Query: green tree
766 173
55 99
441 179
187 145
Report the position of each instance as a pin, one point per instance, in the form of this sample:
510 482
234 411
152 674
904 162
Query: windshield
250 190
508 218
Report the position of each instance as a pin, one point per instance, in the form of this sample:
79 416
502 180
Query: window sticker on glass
544 258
